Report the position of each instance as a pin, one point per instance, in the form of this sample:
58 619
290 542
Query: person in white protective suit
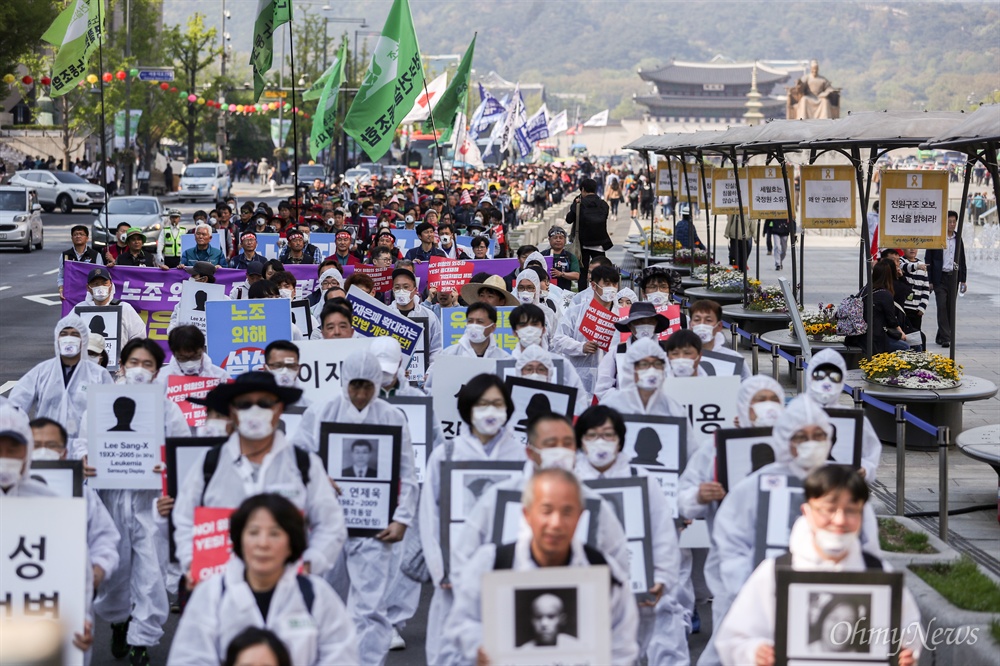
824 385
528 324
135 601
560 490
536 363
485 406
551 443
101 292
478 340
801 438
189 357
600 436
369 560
55 388
586 354
825 538
260 587
257 458
406 301
643 321
16 453
528 290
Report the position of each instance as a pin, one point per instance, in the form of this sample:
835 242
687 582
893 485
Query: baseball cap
95 343
14 424
100 272
255 268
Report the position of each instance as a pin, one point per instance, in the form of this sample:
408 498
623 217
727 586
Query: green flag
454 97
270 15
391 85
76 32
316 89
325 119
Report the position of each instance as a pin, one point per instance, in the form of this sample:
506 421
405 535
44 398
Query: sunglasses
265 403
834 374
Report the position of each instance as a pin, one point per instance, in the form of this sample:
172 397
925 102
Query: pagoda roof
725 73
691 102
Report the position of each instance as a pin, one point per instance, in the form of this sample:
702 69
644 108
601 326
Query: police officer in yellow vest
168 245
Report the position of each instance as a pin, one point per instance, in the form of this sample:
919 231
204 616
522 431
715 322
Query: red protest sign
598 324
181 387
212 545
448 274
381 276
673 313
622 314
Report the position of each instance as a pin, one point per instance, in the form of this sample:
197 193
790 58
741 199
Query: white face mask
811 454
476 333
42 453
825 391
557 457
100 293
69 346
488 420
138 375
682 367
402 296
214 428
834 544
526 297
529 335
536 376
446 241
285 377
704 331
255 422
285 293
388 378
644 331
649 379
10 471
608 294
602 452
766 413
543 295
657 298
305 238
189 367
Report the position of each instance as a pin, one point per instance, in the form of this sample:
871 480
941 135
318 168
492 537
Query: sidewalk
831 273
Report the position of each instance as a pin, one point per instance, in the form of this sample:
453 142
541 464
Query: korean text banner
238 331
453 327
373 319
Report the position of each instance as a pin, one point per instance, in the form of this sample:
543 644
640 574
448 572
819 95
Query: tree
23 25
193 50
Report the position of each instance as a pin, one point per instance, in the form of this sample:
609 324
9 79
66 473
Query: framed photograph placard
508 521
462 484
838 617
419 412
505 369
721 365
658 444
741 451
555 615
364 461
532 397
180 455
105 320
420 360
629 498
848 435
64 477
779 505
302 316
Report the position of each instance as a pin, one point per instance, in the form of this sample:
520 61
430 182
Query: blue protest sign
466 242
239 331
453 326
373 319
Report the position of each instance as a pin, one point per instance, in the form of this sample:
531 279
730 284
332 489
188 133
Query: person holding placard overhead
369 561
56 388
600 436
801 438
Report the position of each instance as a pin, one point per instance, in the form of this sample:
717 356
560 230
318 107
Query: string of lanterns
191 98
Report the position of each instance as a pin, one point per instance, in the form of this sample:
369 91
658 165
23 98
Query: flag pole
104 135
427 95
295 125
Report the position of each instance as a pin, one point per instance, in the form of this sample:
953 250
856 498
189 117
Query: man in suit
941 267
361 453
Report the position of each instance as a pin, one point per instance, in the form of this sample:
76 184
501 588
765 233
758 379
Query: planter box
944 554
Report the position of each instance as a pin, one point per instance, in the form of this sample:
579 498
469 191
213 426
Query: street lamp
327 20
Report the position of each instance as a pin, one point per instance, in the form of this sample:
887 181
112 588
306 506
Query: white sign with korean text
768 193
124 435
320 363
710 402
449 374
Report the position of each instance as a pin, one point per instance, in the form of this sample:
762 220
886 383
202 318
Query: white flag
426 102
598 119
513 119
559 123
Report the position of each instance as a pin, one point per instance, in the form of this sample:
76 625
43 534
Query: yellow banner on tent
724 199
913 209
768 192
828 197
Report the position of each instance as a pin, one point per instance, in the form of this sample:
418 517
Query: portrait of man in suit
359 461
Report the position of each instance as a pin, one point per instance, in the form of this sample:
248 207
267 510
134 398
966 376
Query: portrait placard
105 320
658 444
779 505
181 455
518 608
531 397
364 461
194 296
913 209
848 435
124 435
721 365
630 500
302 316
463 483
290 419
509 523
838 617
740 452
419 413
828 197
63 477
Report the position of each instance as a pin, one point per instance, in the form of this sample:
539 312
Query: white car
204 180
20 219
358 178
60 189
146 213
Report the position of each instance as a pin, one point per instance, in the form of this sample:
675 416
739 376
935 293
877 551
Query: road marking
5 288
8 386
44 299
54 270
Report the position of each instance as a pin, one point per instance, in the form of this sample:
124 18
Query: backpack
211 463
305 587
850 316
504 558
539 192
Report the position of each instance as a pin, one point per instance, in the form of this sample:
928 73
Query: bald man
547 618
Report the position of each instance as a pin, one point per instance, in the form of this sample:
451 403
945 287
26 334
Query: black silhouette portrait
760 455
539 404
647 448
98 326
200 297
124 409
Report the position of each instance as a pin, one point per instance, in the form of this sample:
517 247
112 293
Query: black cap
219 398
643 310
405 272
99 272
255 268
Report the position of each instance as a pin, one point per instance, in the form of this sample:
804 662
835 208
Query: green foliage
23 25
962 584
895 538
193 50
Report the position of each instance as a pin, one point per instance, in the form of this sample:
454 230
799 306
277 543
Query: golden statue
813 96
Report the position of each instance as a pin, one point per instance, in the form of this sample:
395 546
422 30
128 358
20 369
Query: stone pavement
831 273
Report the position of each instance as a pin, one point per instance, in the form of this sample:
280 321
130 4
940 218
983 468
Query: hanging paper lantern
164 86
27 80
106 77
192 98
46 81
173 89
92 79
133 72
200 100
8 79
120 75
232 108
300 112
307 115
